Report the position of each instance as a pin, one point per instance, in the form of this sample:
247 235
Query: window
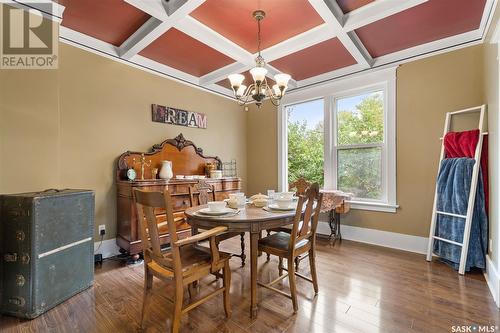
342 135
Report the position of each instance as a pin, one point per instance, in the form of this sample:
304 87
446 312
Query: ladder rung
447 240
450 214
484 133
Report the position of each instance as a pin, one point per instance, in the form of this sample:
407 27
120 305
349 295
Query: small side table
334 202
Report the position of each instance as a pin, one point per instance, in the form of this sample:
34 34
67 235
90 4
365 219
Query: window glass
360 119
360 172
305 141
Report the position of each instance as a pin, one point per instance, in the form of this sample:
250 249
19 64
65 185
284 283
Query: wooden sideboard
187 159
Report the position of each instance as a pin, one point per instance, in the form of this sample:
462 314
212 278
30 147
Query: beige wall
426 90
65 128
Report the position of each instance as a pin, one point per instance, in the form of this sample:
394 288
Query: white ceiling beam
142 37
331 13
204 34
157 25
272 71
222 73
375 11
294 44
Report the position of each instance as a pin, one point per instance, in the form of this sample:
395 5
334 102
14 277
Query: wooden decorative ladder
472 193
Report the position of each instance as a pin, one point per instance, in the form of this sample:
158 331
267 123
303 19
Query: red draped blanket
463 144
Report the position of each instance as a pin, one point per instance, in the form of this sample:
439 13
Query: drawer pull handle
10 257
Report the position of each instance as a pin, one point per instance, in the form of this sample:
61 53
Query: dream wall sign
168 115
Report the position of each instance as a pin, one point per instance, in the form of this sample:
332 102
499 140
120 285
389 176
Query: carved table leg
268 255
254 244
338 235
331 223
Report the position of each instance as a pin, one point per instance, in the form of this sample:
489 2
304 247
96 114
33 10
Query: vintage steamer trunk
46 247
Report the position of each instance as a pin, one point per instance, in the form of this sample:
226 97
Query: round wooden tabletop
249 219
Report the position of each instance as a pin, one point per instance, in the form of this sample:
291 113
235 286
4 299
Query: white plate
276 207
207 211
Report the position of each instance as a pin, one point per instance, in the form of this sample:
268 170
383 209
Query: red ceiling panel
350 5
233 19
248 81
111 21
430 21
180 51
317 59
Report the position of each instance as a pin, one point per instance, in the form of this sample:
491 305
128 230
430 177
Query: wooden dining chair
300 186
301 240
184 263
200 194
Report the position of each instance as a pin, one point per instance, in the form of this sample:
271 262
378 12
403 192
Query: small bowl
216 206
179 177
284 195
283 202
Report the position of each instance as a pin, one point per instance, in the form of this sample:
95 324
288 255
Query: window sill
374 206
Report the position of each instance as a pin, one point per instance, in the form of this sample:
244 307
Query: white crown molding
55 14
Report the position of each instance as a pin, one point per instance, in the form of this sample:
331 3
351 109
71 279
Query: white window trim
384 79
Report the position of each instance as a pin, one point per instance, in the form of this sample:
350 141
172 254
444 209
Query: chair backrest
146 202
205 192
300 185
306 220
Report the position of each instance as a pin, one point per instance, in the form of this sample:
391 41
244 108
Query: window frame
380 80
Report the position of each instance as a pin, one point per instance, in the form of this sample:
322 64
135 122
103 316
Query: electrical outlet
102 229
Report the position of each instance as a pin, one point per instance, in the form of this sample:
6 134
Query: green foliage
305 152
359 170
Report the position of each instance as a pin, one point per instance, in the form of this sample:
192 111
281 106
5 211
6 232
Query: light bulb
258 73
282 80
277 90
236 80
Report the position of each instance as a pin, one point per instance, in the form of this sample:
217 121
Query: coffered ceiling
200 42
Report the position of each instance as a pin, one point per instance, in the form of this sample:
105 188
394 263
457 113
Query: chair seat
280 241
194 256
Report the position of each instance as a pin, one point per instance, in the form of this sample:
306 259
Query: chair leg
268 255
191 290
293 287
242 243
176 319
148 284
297 262
312 264
280 266
227 285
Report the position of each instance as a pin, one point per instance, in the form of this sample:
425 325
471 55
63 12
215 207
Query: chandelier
259 89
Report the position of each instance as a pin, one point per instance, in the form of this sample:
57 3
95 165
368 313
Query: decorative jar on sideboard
166 170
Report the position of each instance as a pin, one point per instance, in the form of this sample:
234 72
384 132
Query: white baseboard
108 248
493 280
381 238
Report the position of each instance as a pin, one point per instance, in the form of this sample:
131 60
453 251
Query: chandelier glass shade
259 89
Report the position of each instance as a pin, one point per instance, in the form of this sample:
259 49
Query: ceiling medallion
259 89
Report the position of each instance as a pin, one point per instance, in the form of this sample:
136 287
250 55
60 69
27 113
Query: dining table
249 219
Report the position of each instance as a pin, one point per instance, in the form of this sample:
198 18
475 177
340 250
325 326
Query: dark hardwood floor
362 288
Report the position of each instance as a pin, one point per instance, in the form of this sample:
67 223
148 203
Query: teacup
216 206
